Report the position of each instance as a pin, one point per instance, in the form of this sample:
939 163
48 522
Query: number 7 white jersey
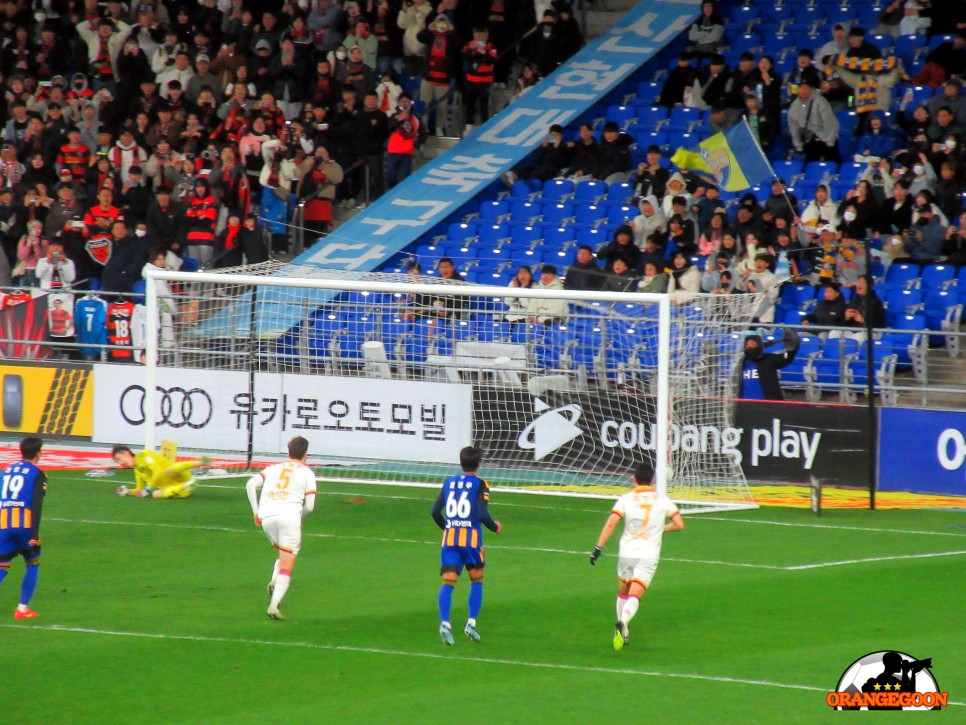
645 512
284 489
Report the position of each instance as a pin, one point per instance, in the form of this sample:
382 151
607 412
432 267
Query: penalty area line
387 540
419 655
897 557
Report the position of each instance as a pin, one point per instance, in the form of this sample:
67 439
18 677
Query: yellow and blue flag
732 158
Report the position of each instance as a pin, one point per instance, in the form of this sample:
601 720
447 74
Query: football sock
281 586
29 584
630 609
621 601
445 601
475 600
275 572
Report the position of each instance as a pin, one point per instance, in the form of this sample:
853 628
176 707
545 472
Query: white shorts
639 570
284 532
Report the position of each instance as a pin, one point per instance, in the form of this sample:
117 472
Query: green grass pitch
154 612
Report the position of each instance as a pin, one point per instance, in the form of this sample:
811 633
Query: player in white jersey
645 513
288 494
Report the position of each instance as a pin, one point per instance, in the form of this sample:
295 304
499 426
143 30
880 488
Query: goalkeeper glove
204 461
595 556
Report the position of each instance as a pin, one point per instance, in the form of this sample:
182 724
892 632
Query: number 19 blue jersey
22 488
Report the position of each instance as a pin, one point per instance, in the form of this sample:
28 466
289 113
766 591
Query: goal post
388 375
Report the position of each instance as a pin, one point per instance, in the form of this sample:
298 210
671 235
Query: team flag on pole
732 158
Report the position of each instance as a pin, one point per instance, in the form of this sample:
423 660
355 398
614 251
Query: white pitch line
422 655
386 540
504 547
728 519
846 562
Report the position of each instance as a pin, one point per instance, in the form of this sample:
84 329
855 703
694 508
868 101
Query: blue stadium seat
492 234
818 171
622 214
901 301
590 214
942 311
494 211
521 191
824 372
619 193
901 275
593 237
621 115
588 192
557 190
648 91
937 276
793 297
650 117
461 231
683 117
883 357
937 40
555 237
526 211
883 42
524 235
793 375
558 214
788 169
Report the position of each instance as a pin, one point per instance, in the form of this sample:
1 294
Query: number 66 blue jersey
461 511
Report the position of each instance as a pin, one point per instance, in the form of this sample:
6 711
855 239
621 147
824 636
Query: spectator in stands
620 279
412 18
864 306
676 189
583 274
544 49
748 219
949 197
711 85
650 222
30 249
945 126
519 306
479 58
923 177
877 142
849 262
569 36
711 236
552 157
129 254
370 139
707 32
759 371
319 178
613 154
582 156
650 178
55 270
441 65
681 235
813 126
924 244
135 196
621 247
653 279
857 212
166 220
401 147
714 267
837 45
950 55
685 277
830 309
764 126
722 118
200 217
679 79
804 69
952 98
744 80
104 38
549 311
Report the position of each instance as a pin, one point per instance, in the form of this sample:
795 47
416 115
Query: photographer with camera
55 270
320 175
401 148
480 58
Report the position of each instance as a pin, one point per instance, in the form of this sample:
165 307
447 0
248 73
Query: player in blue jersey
22 490
461 511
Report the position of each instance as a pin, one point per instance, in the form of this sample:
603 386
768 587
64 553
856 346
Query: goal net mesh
388 386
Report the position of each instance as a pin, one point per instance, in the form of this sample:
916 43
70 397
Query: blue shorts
454 558
14 542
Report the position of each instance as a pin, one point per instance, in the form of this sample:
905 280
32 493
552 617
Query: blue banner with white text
922 451
442 186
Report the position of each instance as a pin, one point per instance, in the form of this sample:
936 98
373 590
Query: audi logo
177 407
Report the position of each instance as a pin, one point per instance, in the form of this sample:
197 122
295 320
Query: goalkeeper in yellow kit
155 475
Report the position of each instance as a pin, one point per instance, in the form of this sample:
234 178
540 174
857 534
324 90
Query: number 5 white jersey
284 489
645 512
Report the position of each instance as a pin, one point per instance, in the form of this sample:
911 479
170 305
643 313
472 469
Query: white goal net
389 375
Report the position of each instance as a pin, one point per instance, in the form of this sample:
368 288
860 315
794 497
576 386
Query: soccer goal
389 375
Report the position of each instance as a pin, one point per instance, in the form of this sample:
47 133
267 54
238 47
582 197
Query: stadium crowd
181 128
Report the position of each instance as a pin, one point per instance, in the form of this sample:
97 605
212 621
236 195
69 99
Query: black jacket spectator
622 247
123 269
165 220
613 153
584 275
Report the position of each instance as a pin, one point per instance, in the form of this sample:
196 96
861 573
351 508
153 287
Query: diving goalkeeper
155 475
